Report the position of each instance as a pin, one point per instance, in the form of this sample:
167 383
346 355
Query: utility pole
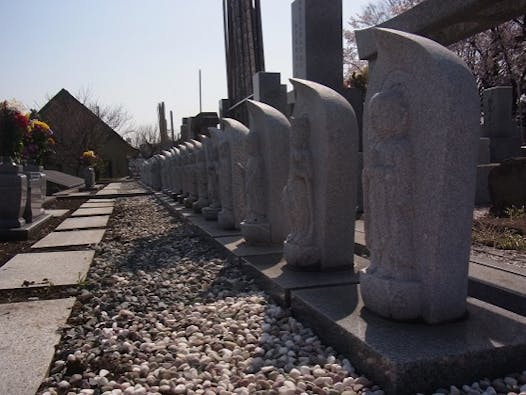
200 94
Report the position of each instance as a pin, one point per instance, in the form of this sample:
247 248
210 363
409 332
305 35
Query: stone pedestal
89 177
13 190
36 191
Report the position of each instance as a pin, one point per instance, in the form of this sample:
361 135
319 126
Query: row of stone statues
294 181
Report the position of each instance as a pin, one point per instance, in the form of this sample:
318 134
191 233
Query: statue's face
388 113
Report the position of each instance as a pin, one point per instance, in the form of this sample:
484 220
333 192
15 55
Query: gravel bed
163 312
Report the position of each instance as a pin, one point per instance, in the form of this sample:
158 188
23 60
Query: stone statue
265 175
300 248
201 176
176 172
183 154
421 128
235 135
225 216
211 146
320 195
191 173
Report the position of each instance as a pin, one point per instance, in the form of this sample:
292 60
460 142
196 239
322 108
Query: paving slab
97 205
70 238
405 358
45 268
28 335
57 212
123 192
96 221
100 200
238 246
277 278
81 212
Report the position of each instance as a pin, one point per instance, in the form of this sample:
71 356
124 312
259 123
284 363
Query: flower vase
89 177
36 191
13 189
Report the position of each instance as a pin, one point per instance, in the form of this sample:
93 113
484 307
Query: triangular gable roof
64 94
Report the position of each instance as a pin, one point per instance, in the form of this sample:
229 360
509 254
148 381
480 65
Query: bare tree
496 56
115 116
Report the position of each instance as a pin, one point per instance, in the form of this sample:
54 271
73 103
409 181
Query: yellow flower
37 123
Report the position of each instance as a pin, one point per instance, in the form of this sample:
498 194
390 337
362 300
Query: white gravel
163 312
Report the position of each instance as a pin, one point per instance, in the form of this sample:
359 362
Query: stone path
29 330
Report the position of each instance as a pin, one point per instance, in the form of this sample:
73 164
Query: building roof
63 96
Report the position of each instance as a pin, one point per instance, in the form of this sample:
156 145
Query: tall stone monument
266 174
320 195
499 126
317 49
421 128
233 158
211 147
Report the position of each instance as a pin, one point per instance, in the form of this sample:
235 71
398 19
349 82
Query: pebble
165 314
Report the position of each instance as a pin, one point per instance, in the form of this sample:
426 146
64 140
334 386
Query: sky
133 53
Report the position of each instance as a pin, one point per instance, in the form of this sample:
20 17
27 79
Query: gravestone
211 147
320 195
232 153
201 175
499 125
266 174
421 127
269 90
317 49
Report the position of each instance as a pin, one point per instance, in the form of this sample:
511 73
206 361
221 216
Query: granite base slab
277 278
81 212
44 269
96 221
29 332
27 231
405 358
212 228
70 238
238 246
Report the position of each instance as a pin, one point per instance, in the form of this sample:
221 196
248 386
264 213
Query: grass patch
497 237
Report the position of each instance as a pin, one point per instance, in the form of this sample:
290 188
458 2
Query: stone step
28 335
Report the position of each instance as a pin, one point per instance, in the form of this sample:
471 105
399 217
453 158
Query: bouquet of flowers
37 141
88 158
13 125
